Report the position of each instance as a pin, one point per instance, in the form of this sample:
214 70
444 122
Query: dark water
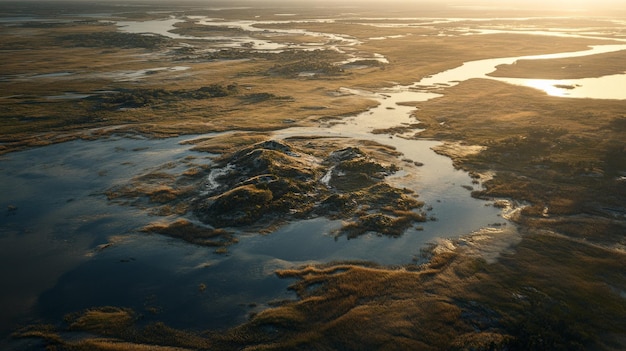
55 214
64 247
54 221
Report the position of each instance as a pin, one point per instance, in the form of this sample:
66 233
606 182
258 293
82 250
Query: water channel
605 87
78 250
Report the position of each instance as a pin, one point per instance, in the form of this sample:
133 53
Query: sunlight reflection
605 87
550 87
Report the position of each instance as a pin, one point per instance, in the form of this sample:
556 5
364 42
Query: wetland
247 176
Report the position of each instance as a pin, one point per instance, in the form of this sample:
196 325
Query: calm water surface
56 218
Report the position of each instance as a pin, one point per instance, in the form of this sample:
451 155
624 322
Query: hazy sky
537 4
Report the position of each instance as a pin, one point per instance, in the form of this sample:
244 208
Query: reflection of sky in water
610 87
606 87
161 27
437 182
164 27
62 214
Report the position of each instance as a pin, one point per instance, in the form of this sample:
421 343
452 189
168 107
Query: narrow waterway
65 247
605 87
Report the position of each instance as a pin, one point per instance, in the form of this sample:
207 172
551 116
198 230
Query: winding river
79 250
605 87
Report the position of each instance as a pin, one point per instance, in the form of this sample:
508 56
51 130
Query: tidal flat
271 176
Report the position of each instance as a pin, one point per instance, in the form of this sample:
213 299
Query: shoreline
561 255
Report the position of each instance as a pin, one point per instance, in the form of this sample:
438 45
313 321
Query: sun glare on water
547 86
565 5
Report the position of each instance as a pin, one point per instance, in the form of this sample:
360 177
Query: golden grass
563 154
546 294
560 288
98 344
569 68
114 329
193 233
28 113
228 143
104 320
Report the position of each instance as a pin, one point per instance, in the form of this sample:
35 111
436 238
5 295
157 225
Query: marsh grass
557 289
555 153
271 182
104 320
117 329
560 288
117 345
228 143
48 333
440 305
44 50
193 233
136 108
570 68
560 294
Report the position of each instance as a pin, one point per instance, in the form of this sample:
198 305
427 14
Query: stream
605 87
65 247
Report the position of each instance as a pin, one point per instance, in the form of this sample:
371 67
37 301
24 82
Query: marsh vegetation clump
103 320
272 182
113 328
191 28
158 191
111 39
134 98
261 97
437 305
352 170
257 184
193 233
294 63
381 223
244 205
308 68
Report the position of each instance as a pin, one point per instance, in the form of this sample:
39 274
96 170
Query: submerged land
558 165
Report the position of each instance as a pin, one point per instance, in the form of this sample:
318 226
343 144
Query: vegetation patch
192 233
117 329
271 182
111 39
566 68
563 156
127 98
306 68
560 288
259 186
